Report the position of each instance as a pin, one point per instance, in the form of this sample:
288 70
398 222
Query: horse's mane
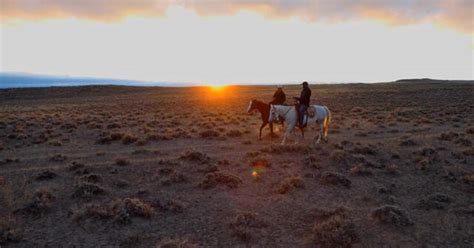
259 102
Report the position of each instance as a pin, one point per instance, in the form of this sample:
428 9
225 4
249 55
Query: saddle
310 112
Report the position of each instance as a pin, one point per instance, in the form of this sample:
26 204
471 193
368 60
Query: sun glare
217 88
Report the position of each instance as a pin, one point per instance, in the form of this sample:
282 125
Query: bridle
284 116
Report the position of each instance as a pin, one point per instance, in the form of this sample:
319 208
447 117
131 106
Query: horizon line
102 81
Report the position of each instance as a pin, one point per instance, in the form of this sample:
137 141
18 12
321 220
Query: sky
239 42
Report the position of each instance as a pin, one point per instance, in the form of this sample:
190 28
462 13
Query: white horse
289 113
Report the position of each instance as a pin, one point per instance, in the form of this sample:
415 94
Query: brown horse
264 110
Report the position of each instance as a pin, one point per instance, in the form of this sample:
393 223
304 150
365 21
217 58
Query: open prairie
183 167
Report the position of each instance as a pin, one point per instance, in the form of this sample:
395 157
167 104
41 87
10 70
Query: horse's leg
325 133
288 131
302 136
321 126
261 127
326 129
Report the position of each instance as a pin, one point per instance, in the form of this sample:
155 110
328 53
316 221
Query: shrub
58 158
290 183
470 130
392 215
121 210
135 207
39 205
129 139
9 232
234 133
468 179
46 175
174 177
75 166
335 231
209 134
434 201
87 190
408 142
243 223
360 170
175 243
213 179
92 178
392 169
293 148
341 157
195 156
122 162
333 178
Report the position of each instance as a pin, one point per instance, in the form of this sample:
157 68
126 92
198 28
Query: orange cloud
457 14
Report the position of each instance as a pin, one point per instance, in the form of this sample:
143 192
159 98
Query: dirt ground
183 167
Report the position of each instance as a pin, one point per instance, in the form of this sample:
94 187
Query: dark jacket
279 97
305 96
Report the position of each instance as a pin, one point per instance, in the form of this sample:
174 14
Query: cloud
103 10
457 14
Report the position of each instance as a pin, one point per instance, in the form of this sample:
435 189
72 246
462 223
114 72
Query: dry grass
122 170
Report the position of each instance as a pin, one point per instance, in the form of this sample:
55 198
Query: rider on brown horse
279 96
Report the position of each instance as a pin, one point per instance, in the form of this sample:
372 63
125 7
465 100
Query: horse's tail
327 121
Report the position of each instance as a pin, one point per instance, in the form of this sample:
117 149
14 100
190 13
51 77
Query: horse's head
251 106
274 115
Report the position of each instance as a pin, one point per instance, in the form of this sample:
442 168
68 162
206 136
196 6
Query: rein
284 116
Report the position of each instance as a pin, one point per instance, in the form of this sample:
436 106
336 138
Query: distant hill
24 80
429 80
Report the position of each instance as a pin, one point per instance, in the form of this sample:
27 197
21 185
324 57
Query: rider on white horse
303 101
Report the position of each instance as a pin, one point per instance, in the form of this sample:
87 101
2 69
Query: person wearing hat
279 96
303 101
